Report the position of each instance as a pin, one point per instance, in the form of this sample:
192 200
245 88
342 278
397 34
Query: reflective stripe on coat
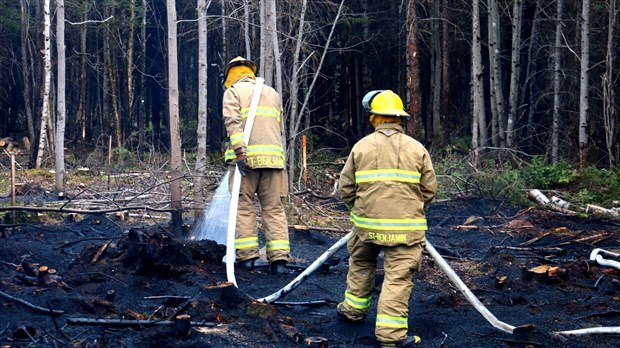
387 182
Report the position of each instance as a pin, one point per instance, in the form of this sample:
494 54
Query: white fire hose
234 195
595 255
434 254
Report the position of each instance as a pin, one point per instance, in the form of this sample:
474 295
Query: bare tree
201 130
530 70
584 83
609 97
436 67
445 48
47 79
173 114
142 106
515 63
555 127
496 90
246 28
478 125
25 67
413 70
61 109
83 58
130 64
295 118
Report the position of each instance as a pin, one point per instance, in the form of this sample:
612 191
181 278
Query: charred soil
129 284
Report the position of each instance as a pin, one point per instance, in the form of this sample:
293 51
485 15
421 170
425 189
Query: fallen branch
549 250
30 305
100 252
131 323
613 330
166 297
79 211
315 303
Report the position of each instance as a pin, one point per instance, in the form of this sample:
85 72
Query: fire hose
234 195
596 255
435 255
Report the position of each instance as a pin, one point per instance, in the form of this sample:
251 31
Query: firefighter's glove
242 161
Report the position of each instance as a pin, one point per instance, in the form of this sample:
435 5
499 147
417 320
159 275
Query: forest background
515 93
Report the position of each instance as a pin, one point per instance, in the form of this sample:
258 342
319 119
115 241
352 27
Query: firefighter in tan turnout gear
387 182
261 162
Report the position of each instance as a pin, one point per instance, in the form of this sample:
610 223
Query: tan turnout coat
387 182
265 149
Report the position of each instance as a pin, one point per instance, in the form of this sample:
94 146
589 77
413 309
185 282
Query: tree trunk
308 92
515 64
530 73
294 93
445 48
478 125
436 57
225 56
201 136
112 83
25 67
268 10
555 127
413 70
61 110
609 97
173 114
82 103
142 103
246 29
45 109
495 84
584 84
130 48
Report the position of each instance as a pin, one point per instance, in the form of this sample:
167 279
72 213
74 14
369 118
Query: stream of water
213 223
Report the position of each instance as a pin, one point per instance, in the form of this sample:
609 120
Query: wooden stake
13 200
303 158
109 160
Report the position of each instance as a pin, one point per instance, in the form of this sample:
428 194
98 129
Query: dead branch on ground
30 305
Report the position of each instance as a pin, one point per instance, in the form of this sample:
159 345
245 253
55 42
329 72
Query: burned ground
146 274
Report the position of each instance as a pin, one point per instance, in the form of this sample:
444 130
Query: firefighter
261 163
387 182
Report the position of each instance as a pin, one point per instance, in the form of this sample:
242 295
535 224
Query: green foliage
598 186
541 175
10 18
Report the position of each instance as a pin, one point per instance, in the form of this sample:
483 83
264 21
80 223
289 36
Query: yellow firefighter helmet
384 102
239 61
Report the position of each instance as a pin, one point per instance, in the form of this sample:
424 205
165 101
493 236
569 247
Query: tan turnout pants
399 263
268 186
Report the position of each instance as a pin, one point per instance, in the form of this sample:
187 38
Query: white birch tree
584 83
61 109
201 130
45 109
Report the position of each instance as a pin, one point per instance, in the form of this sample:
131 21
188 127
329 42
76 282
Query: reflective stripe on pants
393 305
264 183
